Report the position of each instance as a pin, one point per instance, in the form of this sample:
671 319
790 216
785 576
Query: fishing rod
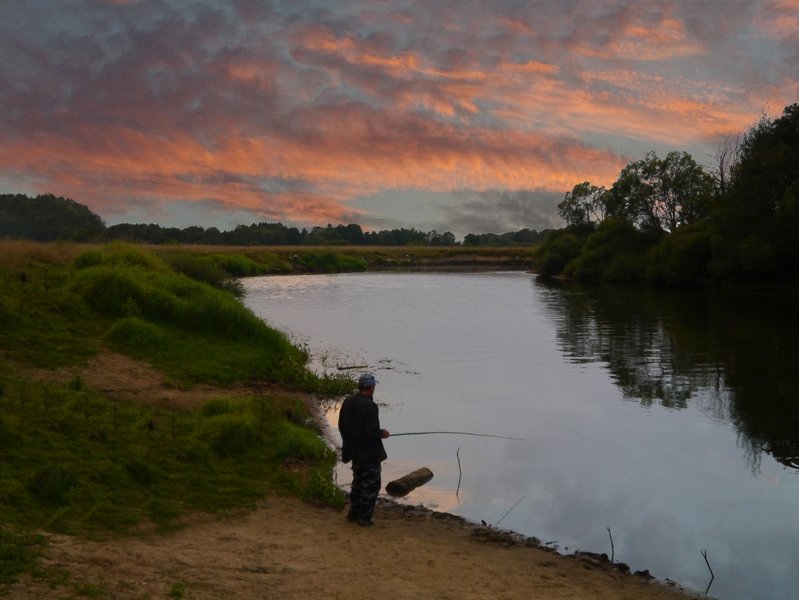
487 435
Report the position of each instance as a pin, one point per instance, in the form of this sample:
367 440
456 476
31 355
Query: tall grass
188 328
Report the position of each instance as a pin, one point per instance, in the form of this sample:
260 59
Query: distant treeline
48 218
668 220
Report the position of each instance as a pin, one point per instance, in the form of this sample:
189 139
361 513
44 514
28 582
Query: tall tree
662 194
585 205
760 218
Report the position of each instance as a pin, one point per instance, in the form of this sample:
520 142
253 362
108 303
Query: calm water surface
670 418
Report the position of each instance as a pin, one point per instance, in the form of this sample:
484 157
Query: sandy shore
287 549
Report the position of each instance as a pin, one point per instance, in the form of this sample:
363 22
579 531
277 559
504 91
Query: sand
287 549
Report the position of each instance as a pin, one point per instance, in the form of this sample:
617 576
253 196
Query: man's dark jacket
361 436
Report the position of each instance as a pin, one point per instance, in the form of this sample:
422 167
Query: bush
758 257
625 268
616 245
560 248
682 257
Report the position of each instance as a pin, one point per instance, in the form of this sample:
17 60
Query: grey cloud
502 211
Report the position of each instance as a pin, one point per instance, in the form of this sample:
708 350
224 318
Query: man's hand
384 433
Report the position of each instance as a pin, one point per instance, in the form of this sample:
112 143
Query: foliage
758 218
46 218
683 257
557 251
614 238
740 225
661 194
584 206
523 237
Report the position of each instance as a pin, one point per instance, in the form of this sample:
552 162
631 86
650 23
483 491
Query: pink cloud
302 115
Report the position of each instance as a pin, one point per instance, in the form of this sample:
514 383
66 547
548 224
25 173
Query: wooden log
406 484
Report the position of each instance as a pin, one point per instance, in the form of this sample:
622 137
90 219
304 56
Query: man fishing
362 443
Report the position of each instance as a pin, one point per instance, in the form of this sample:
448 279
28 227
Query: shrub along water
76 461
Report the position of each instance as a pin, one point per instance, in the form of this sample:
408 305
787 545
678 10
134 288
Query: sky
447 115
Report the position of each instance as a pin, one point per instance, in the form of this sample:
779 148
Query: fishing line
487 435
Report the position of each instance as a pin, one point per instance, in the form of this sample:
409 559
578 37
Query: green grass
78 463
75 461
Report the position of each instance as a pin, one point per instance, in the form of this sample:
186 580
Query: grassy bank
76 461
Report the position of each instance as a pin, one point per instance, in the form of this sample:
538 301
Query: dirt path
286 549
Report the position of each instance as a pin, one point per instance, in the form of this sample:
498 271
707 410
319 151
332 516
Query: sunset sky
435 114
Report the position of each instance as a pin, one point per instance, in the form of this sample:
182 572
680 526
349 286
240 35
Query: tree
584 206
759 217
726 159
46 218
661 194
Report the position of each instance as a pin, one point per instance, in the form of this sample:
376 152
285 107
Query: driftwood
406 484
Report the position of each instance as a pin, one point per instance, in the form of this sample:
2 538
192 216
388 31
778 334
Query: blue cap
366 380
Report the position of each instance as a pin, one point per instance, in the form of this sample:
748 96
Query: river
656 425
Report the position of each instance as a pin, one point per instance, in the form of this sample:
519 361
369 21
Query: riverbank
122 411
287 548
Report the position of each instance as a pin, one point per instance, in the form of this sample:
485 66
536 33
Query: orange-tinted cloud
294 113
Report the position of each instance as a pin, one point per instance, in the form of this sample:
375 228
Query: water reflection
732 356
640 428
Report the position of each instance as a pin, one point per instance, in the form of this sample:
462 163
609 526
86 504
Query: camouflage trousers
365 487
